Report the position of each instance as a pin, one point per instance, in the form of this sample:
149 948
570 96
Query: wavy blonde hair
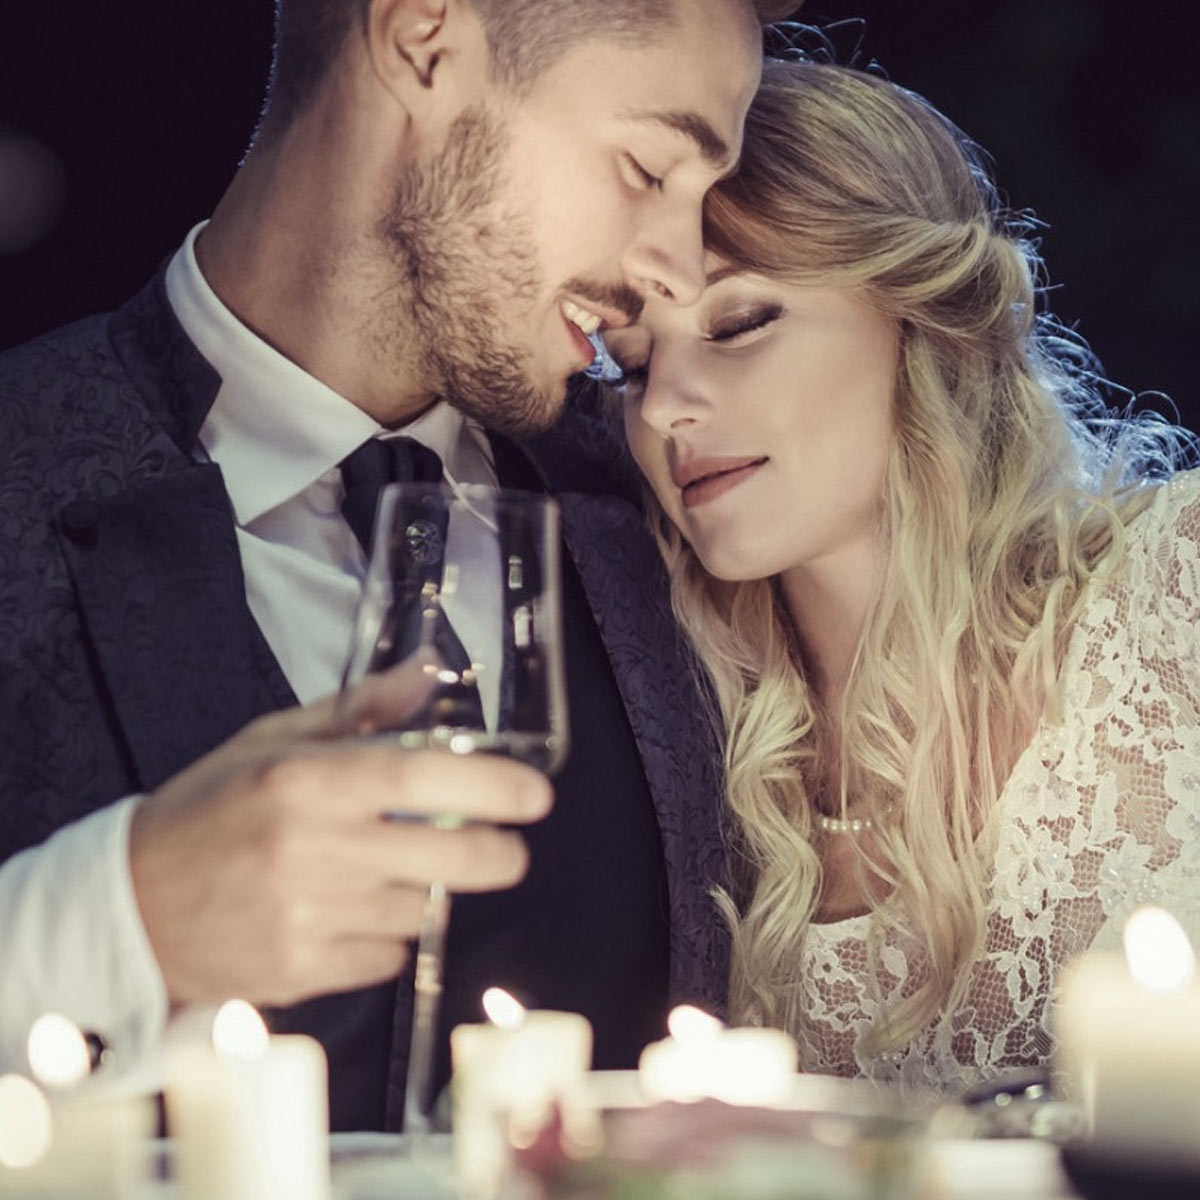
1005 490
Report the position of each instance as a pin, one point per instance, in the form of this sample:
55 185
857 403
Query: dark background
1090 108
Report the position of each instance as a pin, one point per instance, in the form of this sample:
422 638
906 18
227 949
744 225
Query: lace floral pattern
1101 814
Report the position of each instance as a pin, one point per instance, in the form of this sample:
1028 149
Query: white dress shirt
278 435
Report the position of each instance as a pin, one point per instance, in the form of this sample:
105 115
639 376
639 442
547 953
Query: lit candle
25 1133
678 1067
509 1075
68 1137
249 1113
1129 1043
58 1053
701 1059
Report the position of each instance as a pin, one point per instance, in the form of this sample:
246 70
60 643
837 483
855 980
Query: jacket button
79 520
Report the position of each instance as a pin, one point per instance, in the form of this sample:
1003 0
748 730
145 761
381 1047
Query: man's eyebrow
693 126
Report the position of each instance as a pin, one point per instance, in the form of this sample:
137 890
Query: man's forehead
710 71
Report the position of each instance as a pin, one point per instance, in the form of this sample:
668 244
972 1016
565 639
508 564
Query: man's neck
303 283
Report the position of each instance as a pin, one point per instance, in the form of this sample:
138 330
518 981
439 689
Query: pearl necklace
844 824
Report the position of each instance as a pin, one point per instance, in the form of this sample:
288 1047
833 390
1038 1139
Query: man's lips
588 308
704 479
585 321
583 343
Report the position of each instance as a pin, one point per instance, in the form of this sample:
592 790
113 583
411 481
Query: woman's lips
705 479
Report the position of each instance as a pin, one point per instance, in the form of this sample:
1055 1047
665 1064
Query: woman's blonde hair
1005 489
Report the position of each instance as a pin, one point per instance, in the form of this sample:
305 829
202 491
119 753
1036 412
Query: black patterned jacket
126 645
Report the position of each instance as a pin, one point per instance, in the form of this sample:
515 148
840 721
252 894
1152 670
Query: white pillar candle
701 1059
677 1068
508 1076
249 1114
99 1148
71 1139
1128 1029
26 1132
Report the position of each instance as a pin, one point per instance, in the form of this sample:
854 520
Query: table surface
1000 1169
379 1167
372 1166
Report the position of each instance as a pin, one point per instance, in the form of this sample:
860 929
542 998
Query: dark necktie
372 466
365 472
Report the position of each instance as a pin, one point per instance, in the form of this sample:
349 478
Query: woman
948 609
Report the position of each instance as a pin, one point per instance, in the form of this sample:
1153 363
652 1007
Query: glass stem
427 994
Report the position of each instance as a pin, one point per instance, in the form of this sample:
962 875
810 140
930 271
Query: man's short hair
524 37
527 36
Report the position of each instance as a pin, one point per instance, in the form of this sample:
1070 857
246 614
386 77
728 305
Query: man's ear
419 45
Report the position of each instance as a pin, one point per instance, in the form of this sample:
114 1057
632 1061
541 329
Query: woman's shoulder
1174 508
1162 544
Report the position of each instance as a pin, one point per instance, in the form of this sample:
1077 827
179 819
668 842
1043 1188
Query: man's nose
667 258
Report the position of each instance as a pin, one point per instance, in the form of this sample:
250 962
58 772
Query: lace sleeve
1161 706
1100 815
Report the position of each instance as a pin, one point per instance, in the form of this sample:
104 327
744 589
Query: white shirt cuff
72 941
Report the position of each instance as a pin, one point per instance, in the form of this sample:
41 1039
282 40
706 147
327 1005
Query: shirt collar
274 429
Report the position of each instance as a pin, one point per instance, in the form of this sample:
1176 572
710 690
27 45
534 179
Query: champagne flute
471 573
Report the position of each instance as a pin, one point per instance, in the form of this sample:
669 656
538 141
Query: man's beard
467 278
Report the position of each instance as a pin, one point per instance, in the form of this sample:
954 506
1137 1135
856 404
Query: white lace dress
1100 815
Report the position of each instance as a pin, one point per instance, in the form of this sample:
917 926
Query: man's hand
268 869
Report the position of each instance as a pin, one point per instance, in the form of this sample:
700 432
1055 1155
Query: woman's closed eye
731 328
645 178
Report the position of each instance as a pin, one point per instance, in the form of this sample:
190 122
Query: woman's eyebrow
719 273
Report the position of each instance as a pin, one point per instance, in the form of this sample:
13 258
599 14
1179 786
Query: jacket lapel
154 562
159 583
627 590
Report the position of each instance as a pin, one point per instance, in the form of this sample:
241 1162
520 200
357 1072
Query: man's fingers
381 701
407 855
265 840
374 778
351 962
362 961
387 699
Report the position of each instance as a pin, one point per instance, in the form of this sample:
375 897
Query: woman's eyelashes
644 177
631 370
730 328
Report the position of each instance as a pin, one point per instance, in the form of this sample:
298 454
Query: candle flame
693 1025
502 1009
26 1130
238 1031
1160 957
58 1053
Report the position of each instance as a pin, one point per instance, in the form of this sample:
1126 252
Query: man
444 199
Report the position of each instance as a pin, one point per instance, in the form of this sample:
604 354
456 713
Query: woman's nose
673 394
